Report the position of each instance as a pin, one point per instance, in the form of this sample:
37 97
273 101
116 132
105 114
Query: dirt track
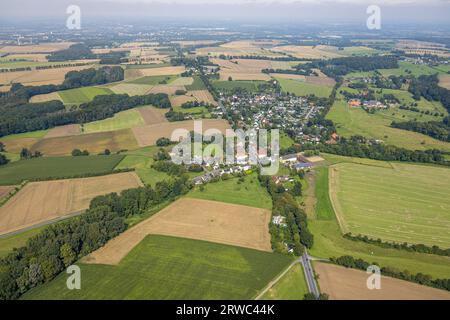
39 202
350 284
194 219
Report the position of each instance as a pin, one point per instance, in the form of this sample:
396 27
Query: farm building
302 166
279 220
354 103
289 158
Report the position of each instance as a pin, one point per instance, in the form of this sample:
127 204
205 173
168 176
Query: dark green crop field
163 267
57 167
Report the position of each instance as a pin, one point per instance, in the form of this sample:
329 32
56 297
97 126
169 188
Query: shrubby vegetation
163 142
79 153
60 245
351 262
27 154
3 160
194 104
169 167
173 116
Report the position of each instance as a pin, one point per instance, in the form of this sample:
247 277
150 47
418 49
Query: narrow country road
309 274
305 260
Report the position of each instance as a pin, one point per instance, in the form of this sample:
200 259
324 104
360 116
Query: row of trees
435 129
361 148
58 246
351 262
295 234
338 67
422 248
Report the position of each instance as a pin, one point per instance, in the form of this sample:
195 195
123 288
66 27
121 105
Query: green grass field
407 203
33 134
141 160
356 121
406 68
329 242
285 141
301 88
196 111
11 156
291 287
154 80
82 95
197 84
122 120
57 167
250 86
249 193
172 268
7 244
324 210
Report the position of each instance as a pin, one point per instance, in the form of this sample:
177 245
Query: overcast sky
404 11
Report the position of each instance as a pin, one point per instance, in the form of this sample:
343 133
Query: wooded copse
41 116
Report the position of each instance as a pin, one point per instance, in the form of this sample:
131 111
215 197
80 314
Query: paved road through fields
309 274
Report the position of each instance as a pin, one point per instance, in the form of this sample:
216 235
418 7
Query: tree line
295 234
360 147
338 67
354 263
422 248
435 129
60 245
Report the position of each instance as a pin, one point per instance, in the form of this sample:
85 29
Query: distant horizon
255 11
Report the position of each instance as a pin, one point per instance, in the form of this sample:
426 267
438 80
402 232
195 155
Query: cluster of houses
368 105
270 110
214 170
218 172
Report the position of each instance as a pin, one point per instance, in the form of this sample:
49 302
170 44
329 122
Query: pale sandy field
350 284
194 219
148 135
64 131
41 202
152 115
40 48
39 77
